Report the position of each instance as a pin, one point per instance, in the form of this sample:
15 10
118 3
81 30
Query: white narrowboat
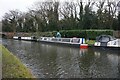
74 42
25 38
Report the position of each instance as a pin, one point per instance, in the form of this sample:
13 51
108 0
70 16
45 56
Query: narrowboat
73 42
32 38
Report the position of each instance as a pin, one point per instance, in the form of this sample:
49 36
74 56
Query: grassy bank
12 67
90 42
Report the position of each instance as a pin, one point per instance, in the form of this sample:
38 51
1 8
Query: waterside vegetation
52 16
12 67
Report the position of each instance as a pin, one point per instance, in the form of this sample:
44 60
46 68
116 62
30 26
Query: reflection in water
52 61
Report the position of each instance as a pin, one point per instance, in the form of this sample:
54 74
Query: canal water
54 61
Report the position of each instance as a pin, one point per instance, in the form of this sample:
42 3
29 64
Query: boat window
45 38
65 40
112 38
119 42
75 40
54 39
104 39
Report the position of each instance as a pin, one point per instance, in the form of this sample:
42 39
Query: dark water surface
52 61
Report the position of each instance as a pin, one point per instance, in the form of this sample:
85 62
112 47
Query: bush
45 34
91 34
73 33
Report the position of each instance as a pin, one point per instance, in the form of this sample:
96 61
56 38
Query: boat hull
61 44
106 48
27 39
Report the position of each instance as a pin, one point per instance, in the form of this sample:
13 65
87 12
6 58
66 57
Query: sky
22 5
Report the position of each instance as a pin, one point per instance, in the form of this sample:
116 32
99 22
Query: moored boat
107 41
32 38
74 42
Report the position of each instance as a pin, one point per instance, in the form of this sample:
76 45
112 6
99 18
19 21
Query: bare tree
46 12
100 10
68 9
13 17
111 7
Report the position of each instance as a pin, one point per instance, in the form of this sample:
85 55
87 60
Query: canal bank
12 67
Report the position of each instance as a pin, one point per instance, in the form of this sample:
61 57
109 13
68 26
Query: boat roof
104 37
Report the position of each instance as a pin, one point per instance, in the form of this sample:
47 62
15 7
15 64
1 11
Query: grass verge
90 42
12 67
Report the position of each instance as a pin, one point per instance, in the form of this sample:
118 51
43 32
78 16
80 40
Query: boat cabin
104 38
107 41
64 40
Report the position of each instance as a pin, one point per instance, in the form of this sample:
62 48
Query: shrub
73 33
91 34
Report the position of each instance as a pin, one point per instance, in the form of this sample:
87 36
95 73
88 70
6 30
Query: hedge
92 34
89 34
73 33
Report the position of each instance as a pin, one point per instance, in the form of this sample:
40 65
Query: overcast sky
22 5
